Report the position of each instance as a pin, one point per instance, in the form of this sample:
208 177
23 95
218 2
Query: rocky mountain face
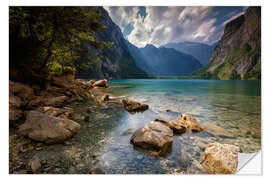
140 60
200 51
169 62
116 61
238 54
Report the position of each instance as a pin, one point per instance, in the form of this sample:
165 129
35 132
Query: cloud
161 25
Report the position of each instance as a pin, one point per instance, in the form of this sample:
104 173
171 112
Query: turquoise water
234 106
231 110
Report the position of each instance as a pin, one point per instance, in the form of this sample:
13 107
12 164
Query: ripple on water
102 143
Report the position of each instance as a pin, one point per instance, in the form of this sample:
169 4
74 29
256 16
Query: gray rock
48 129
154 138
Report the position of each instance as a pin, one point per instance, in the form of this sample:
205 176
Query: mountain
169 62
238 53
116 61
200 51
139 58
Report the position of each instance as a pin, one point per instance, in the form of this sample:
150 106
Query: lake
234 106
231 108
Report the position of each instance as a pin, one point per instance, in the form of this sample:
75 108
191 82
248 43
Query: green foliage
51 38
255 73
203 73
235 75
87 65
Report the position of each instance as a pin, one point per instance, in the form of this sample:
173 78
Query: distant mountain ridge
238 54
168 61
139 58
200 51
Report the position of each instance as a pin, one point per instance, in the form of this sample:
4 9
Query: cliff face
200 51
238 53
116 61
169 62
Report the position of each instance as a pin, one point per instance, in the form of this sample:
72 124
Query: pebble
139 157
35 165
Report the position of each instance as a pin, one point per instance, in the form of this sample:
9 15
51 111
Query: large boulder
220 158
154 138
48 129
101 83
175 126
131 105
23 91
190 123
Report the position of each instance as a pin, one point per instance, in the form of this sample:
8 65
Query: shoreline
97 102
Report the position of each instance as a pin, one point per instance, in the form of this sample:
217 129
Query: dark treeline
49 40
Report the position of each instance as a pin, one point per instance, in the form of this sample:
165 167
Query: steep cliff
116 61
169 62
238 53
200 51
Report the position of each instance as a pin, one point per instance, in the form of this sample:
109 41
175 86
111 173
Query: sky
159 25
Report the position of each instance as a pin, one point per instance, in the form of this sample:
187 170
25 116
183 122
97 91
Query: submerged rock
211 127
154 138
101 83
220 158
190 123
48 129
131 105
127 132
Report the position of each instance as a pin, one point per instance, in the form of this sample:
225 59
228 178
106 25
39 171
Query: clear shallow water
101 143
234 106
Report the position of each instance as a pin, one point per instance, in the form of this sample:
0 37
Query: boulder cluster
42 114
156 137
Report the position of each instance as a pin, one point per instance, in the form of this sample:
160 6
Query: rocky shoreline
39 117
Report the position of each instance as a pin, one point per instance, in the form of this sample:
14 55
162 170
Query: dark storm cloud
161 25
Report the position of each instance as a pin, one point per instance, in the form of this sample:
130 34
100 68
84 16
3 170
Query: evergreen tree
47 40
